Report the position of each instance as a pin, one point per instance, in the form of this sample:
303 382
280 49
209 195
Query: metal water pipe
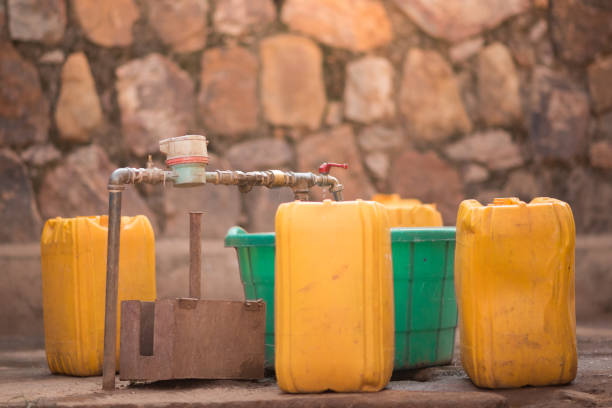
187 157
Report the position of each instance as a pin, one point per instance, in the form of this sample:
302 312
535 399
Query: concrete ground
26 381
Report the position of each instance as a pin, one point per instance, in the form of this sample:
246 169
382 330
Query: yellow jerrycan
73 254
334 323
514 280
409 212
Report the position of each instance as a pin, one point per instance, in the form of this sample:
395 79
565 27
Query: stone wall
436 100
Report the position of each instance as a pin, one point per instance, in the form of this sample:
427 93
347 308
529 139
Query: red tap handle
326 167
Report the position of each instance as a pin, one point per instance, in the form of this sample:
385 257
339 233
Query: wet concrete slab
26 381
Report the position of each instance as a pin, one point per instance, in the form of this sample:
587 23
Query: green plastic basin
423 275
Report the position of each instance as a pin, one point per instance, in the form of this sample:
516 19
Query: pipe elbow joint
118 179
336 188
334 184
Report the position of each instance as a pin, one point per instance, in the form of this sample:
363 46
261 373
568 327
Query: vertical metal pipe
112 281
300 195
195 254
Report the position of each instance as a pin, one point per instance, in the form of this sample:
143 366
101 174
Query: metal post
112 281
195 254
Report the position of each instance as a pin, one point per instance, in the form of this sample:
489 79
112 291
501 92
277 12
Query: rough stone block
358 25
107 23
368 93
228 95
336 145
24 111
157 101
236 17
600 83
559 117
498 87
494 148
180 24
77 187
19 215
260 154
429 98
580 29
456 20
37 20
292 88
78 113
425 176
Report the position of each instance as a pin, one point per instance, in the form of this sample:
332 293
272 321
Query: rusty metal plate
192 338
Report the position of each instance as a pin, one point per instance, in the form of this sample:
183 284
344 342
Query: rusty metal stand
191 337
195 254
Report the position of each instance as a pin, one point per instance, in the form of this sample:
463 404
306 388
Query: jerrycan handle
508 201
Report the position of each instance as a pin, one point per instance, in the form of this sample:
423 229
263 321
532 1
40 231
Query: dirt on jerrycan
514 281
